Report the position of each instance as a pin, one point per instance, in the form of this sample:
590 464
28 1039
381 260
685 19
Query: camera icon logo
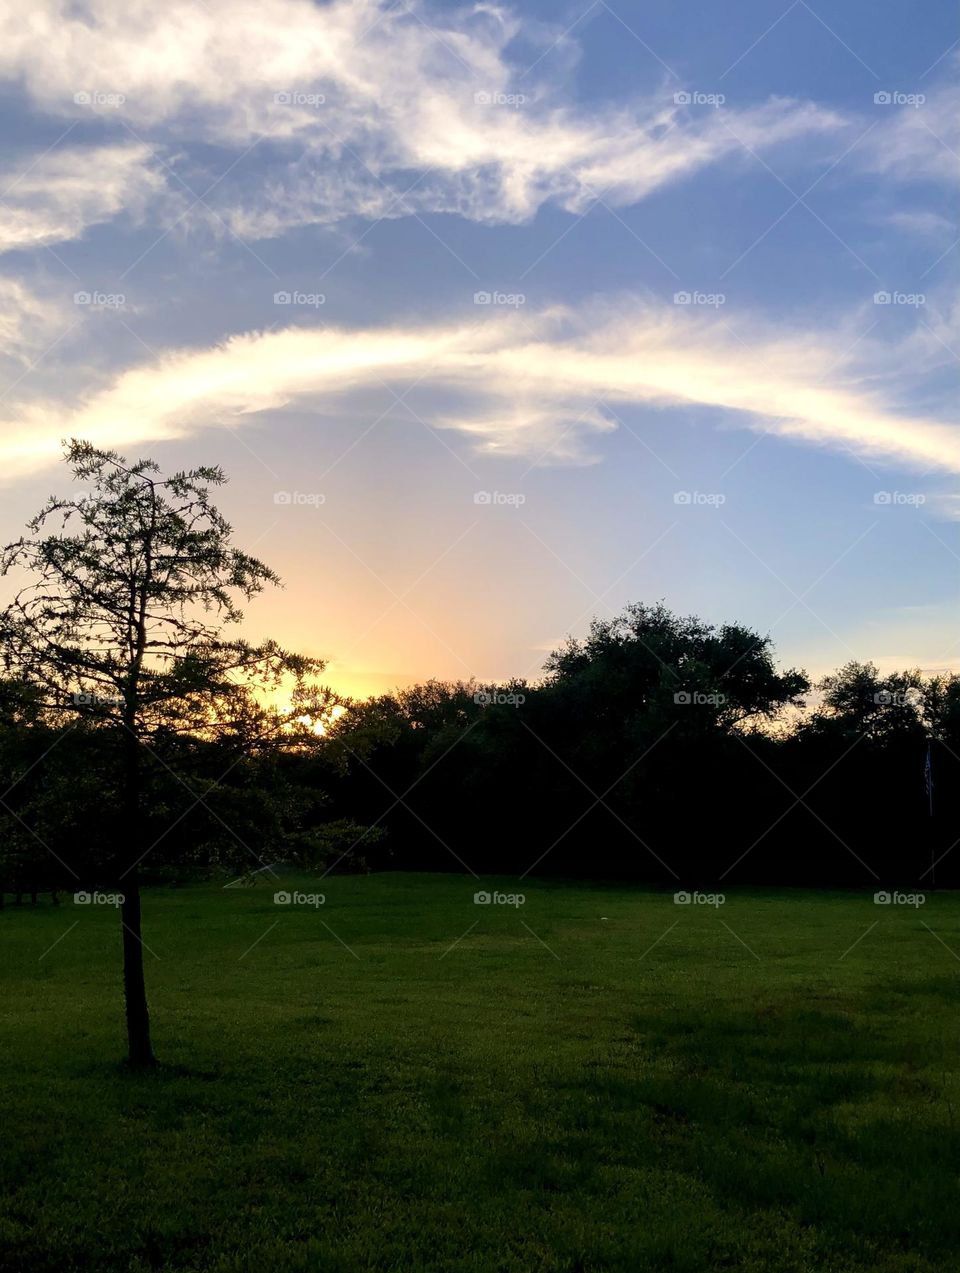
281 899
481 899
683 698
482 497
281 298
682 298
483 298
682 98
681 899
282 497
81 298
482 98
882 298
882 899
883 497
283 99
82 899
882 99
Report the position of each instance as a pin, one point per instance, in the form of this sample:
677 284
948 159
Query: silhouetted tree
505 775
122 627
857 700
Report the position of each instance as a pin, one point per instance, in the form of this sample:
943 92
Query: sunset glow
498 320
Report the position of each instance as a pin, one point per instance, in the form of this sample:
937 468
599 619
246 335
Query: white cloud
28 321
400 89
515 384
923 222
60 194
500 166
399 129
920 142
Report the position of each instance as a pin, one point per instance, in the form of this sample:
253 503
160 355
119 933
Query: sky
502 316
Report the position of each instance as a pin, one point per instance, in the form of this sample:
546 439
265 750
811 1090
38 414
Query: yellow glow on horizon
319 727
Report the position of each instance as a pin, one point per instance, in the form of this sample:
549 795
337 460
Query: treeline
663 749
207 805
658 749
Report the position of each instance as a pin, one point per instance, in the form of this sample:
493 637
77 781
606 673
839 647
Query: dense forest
658 748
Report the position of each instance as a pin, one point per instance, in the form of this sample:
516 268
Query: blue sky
683 385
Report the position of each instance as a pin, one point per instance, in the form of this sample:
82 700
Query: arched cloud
542 386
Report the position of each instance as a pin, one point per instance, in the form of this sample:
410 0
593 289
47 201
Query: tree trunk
134 988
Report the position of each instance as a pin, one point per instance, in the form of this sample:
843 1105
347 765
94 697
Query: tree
122 626
858 701
650 713
942 708
644 664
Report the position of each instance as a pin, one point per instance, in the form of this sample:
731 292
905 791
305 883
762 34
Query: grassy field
404 1080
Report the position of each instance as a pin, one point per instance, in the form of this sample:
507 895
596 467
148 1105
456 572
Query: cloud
923 222
501 167
357 107
542 386
28 321
59 195
919 142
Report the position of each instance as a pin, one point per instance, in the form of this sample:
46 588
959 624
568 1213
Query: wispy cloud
58 195
358 107
923 222
920 142
520 385
28 320
501 166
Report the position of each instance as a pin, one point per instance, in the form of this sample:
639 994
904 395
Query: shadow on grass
793 1133
830 1114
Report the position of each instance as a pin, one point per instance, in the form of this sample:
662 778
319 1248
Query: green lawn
573 1085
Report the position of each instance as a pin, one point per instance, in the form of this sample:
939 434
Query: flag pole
928 783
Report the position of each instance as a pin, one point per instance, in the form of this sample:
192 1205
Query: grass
598 1080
